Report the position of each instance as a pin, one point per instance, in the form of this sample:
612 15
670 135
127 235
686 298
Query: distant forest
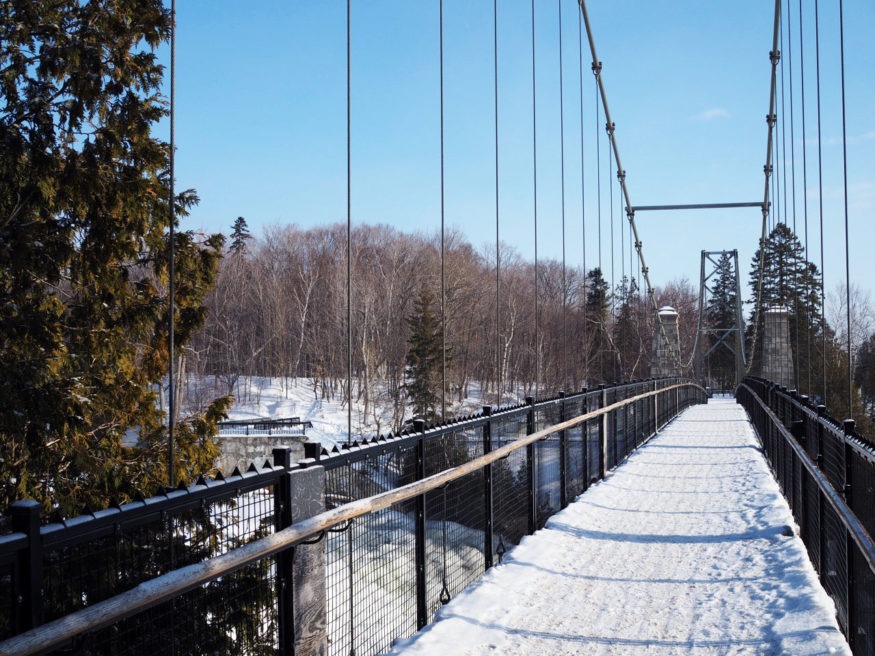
279 309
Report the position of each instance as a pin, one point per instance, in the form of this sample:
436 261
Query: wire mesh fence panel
455 540
235 614
834 576
548 492
574 460
226 525
8 596
371 584
862 482
81 573
593 449
374 472
510 487
834 457
862 632
812 524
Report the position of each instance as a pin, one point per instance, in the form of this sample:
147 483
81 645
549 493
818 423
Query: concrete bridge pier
777 363
666 344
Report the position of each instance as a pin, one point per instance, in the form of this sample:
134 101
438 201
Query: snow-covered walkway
687 548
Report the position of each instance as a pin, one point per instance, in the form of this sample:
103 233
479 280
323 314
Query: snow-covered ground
272 398
687 548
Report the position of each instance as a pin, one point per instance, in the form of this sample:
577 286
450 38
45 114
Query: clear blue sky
261 121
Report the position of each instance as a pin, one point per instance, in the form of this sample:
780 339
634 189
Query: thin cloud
712 114
853 140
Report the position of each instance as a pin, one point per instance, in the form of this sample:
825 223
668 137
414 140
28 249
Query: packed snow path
686 548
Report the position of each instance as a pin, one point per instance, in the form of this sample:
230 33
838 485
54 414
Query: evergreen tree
239 236
598 343
626 329
720 315
84 253
424 358
791 281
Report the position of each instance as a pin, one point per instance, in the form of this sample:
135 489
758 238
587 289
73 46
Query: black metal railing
827 474
385 572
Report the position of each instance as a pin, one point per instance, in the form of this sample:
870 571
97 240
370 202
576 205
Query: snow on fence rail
243 560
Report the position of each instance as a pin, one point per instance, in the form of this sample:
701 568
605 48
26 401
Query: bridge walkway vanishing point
687 548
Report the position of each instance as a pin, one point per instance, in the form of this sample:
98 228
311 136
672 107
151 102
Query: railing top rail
180 581
358 450
855 528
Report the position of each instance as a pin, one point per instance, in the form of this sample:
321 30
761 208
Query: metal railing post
584 434
488 508
531 480
603 431
419 531
285 581
26 519
849 425
563 455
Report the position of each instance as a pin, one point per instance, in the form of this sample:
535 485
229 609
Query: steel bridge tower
720 335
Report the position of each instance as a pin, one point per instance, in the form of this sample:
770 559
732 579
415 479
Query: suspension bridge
619 515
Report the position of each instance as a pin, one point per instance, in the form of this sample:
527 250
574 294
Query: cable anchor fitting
621 176
771 119
596 68
609 128
775 57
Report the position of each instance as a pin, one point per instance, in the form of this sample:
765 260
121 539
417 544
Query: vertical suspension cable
796 314
598 170
820 201
497 241
845 185
598 140
614 352
562 175
443 237
349 539
348 223
535 208
582 191
171 338
805 193
783 134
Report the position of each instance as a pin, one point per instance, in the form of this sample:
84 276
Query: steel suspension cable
348 222
582 190
820 199
797 264
612 292
804 188
537 327
782 124
497 225
596 69
443 233
845 196
171 269
562 169
349 538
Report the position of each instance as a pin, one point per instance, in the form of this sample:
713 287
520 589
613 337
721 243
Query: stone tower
777 355
666 347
